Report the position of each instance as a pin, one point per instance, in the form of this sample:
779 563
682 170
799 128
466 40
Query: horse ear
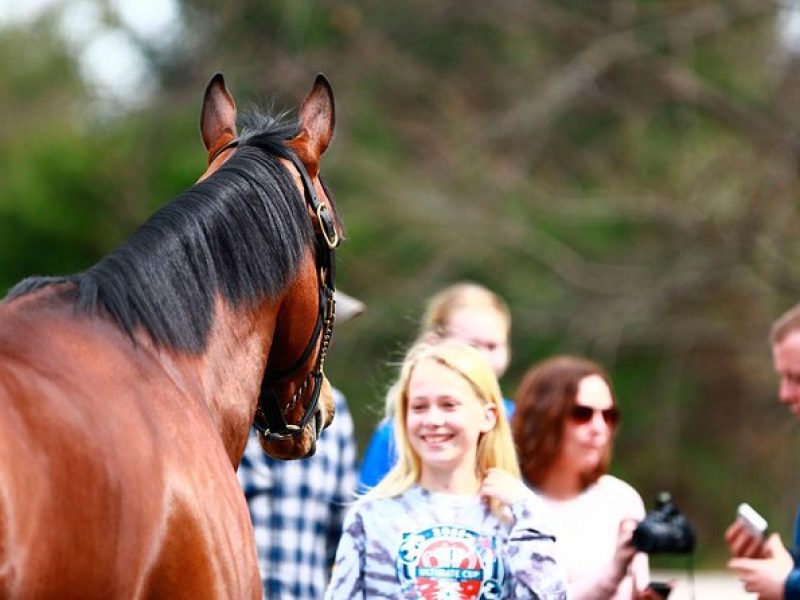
317 117
218 117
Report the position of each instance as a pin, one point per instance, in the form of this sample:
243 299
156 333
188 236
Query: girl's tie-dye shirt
440 546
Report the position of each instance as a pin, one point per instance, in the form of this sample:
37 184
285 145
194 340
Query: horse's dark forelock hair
241 234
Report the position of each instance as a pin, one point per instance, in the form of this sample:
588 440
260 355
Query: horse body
116 481
118 450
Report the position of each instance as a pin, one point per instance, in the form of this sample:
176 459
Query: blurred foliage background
623 172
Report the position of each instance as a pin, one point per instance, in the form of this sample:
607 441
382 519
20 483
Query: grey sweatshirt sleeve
531 551
347 580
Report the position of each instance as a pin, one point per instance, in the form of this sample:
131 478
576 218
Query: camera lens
664 530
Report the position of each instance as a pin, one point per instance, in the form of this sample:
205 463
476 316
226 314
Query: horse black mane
241 233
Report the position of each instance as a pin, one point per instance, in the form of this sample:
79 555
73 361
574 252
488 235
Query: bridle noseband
270 419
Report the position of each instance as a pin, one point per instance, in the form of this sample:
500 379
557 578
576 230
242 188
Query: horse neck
227 376
230 370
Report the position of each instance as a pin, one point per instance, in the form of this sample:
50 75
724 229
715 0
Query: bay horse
127 391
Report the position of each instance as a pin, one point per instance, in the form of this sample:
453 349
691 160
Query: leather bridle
270 418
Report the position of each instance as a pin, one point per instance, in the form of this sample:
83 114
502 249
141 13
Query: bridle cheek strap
270 418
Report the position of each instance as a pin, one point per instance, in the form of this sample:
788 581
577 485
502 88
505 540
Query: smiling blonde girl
453 518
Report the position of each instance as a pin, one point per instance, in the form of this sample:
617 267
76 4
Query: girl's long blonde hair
495 447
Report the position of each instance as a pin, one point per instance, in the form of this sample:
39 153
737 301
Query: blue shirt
381 454
297 508
791 589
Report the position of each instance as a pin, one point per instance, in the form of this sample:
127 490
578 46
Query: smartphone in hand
660 588
755 523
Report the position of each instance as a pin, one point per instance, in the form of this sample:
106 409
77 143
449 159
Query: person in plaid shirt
297 506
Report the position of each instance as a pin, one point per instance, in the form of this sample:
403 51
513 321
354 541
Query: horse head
296 401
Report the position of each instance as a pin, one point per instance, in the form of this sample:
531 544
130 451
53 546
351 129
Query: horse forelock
239 235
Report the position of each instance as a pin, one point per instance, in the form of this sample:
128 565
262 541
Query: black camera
664 530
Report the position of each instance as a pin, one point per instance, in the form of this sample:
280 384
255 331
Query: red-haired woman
564 428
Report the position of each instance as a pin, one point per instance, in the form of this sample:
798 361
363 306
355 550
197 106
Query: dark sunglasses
583 414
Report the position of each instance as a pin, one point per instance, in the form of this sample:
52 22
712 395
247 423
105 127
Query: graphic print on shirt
449 563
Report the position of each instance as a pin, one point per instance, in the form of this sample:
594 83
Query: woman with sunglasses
564 428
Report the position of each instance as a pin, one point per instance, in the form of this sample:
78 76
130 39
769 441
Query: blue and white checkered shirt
297 508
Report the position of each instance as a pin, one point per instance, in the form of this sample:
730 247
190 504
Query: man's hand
742 543
765 576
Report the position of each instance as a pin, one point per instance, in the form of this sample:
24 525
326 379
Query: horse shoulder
102 449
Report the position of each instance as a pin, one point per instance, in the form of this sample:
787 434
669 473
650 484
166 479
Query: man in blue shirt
765 566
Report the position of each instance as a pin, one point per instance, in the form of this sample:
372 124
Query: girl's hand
504 487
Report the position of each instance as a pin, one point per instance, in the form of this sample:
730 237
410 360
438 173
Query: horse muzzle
302 443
